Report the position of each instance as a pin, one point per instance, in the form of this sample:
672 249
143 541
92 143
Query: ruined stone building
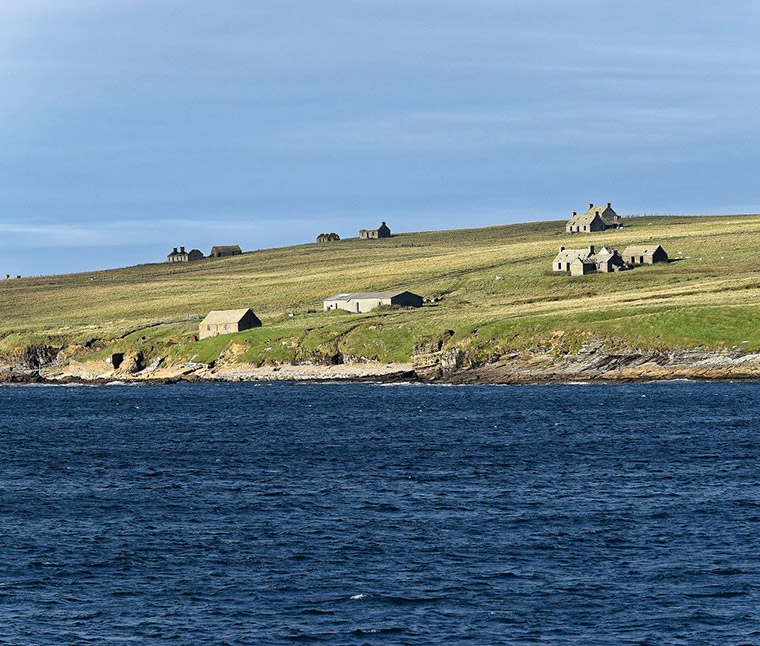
372 234
644 254
223 251
597 218
579 262
184 256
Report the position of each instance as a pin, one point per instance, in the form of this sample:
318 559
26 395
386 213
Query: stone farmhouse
360 302
227 321
224 251
184 256
579 262
644 254
328 237
372 234
597 218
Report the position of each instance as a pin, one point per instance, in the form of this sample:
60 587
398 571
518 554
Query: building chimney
575 213
182 250
591 205
591 250
174 250
561 249
609 205
382 224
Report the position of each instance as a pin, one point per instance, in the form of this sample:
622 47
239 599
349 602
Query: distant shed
224 251
360 302
221 322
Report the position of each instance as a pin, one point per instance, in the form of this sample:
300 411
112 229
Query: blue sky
129 127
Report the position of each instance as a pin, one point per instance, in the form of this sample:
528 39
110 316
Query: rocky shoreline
593 363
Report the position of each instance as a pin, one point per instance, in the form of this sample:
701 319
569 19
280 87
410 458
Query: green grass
709 298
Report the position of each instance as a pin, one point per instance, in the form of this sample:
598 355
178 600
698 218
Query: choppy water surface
350 514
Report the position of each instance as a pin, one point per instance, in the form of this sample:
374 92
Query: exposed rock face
431 361
36 356
133 362
441 365
594 364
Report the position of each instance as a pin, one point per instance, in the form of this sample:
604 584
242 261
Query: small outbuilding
372 234
644 254
360 302
221 322
328 237
580 266
180 255
608 260
224 251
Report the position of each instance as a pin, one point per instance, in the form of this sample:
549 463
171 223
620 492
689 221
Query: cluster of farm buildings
576 262
579 262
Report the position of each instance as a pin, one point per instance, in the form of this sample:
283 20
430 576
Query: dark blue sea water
363 514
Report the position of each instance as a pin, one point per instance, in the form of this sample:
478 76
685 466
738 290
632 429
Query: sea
278 513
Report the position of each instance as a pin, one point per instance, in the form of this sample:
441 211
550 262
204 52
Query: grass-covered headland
491 293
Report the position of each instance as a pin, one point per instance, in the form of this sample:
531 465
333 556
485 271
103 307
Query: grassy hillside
495 286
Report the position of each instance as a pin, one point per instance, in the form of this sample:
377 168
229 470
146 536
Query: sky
128 127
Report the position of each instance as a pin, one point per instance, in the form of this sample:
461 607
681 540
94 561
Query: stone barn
373 234
221 322
360 302
184 256
644 254
224 251
328 237
597 218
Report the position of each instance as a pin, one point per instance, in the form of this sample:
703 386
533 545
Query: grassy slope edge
497 294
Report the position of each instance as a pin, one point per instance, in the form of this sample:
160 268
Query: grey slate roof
353 296
592 212
568 255
604 254
585 218
641 250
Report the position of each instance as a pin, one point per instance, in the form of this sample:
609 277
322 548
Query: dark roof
353 296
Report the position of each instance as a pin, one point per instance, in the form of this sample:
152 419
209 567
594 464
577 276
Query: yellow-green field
496 290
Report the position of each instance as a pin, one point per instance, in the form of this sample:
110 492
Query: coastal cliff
431 363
